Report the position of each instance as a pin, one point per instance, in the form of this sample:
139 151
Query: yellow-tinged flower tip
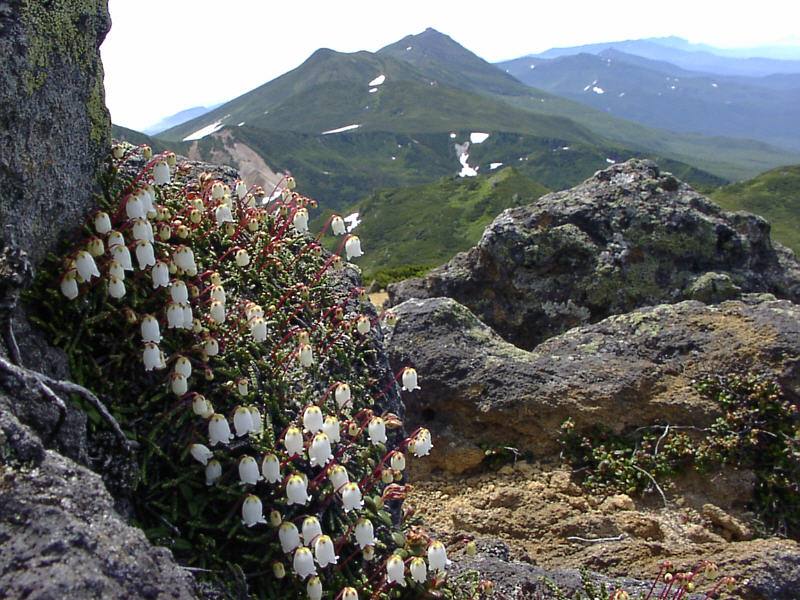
324 551
278 570
314 589
395 570
351 497
217 190
252 511
349 593
437 556
397 461
248 471
419 571
102 223
293 441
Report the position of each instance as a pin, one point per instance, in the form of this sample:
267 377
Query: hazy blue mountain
779 52
177 119
702 60
660 94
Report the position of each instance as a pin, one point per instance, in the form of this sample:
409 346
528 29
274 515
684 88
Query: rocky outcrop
60 536
628 370
54 126
629 236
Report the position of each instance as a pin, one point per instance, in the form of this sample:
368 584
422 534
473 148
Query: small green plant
759 429
232 349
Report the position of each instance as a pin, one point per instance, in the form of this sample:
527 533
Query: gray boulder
629 236
629 370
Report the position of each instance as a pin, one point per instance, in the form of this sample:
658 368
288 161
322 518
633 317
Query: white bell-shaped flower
255 417
258 329
363 325
300 220
377 430
179 384
115 270
312 419
314 588
219 432
213 472
293 441
311 530
145 254
305 355
289 536
102 223
352 247
184 259
122 255
174 316
324 551
241 386
223 215
161 173
179 292
365 534
151 356
342 396
349 593
271 468
86 266
297 491
211 347
253 310
331 428
142 230
242 421
217 190
148 202
188 318
201 453
437 556
419 571
160 275
151 332
69 284
252 511
395 570
397 461
303 563
115 238
183 366
410 379
240 189
218 293
339 477
217 311
248 470
133 208
422 443
351 497
201 406
116 287
319 452
242 258
337 225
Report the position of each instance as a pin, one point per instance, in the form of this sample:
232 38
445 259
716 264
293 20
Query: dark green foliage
775 195
759 429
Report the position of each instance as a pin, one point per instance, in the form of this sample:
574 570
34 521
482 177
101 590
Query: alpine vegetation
239 356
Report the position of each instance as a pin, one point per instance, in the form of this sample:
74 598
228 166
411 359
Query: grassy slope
774 195
426 225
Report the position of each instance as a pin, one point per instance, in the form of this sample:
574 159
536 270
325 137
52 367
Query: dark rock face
627 370
54 126
61 537
628 237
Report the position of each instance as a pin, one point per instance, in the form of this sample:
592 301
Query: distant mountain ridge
177 119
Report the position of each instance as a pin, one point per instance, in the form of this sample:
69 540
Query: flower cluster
234 344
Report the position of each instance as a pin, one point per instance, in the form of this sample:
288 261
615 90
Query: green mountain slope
774 195
662 95
423 226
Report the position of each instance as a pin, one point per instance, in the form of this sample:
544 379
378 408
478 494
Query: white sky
163 56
